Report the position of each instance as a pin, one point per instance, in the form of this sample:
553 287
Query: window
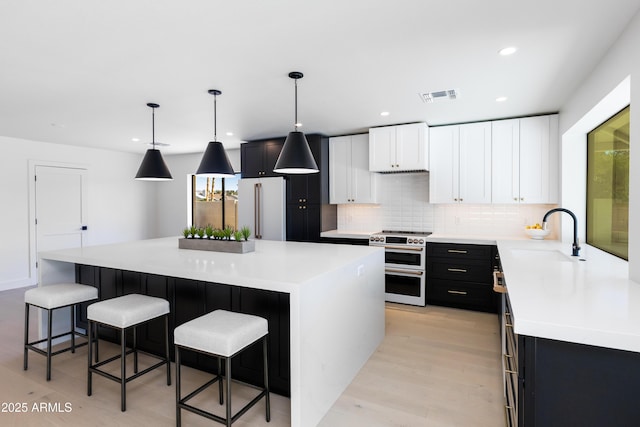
608 185
215 202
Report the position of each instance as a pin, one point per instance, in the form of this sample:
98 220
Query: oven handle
405 248
414 272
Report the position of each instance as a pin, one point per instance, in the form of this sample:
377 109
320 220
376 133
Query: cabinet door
535 160
251 160
271 152
443 170
475 163
505 161
362 183
340 175
412 147
258 158
382 149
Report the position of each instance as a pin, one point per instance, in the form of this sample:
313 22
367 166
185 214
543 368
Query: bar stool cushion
221 332
128 310
54 296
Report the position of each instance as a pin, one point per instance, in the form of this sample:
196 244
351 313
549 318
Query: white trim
574 156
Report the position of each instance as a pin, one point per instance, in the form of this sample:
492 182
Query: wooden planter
231 246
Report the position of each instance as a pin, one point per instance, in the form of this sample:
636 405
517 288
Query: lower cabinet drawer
461 294
470 270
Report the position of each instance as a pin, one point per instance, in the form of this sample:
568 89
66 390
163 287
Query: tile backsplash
404 205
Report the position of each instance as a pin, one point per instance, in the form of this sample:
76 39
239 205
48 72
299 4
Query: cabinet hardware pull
457 270
393 270
456 251
457 292
402 248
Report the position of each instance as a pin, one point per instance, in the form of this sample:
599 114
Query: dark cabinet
257 158
303 222
461 275
308 210
569 384
189 299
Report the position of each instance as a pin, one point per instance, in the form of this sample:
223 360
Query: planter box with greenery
217 240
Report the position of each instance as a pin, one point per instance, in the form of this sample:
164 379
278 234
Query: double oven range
405 258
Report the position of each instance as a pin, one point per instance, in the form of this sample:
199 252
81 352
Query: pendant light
296 156
153 167
215 162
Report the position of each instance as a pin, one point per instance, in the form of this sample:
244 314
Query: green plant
192 230
217 234
186 232
227 232
238 236
208 231
200 232
246 232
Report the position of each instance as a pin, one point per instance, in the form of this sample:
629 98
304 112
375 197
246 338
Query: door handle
392 270
256 203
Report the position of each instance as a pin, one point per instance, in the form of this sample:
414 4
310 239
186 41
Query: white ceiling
80 72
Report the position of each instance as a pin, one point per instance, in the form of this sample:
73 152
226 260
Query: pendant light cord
295 123
215 132
153 127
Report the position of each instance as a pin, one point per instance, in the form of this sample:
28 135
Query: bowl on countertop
536 233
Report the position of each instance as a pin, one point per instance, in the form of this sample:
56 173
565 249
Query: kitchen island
571 336
333 296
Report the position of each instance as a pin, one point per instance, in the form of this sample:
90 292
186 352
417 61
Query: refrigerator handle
257 188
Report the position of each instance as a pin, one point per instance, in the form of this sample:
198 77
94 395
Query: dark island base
189 299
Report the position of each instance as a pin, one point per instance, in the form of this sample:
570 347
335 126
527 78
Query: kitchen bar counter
336 297
556 296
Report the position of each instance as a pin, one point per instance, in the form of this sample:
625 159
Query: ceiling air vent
440 95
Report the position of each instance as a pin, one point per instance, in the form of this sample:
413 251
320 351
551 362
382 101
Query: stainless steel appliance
405 263
261 207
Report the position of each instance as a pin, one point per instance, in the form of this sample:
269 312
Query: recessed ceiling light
508 51
229 133
384 113
135 139
298 125
501 99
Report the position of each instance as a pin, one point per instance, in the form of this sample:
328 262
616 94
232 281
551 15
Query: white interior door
60 207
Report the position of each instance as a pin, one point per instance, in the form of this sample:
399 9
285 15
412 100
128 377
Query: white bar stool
221 334
53 297
123 313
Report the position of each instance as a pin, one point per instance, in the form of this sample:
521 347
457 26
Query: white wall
622 60
404 205
173 200
119 208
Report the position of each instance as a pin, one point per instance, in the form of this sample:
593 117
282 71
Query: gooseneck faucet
575 248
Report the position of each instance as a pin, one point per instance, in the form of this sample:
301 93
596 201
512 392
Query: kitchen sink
542 255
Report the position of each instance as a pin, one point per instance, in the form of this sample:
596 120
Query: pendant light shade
153 167
215 162
296 156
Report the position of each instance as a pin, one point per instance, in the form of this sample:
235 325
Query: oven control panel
396 240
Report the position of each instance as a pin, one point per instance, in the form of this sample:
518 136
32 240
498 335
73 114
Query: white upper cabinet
525 160
460 163
349 178
399 148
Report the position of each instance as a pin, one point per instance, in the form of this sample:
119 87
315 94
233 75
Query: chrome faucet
575 248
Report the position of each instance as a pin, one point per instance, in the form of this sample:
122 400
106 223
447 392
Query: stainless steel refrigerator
261 207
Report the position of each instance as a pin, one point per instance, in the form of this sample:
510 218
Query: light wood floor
436 367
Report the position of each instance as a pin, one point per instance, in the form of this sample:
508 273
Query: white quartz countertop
275 265
554 295
340 234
